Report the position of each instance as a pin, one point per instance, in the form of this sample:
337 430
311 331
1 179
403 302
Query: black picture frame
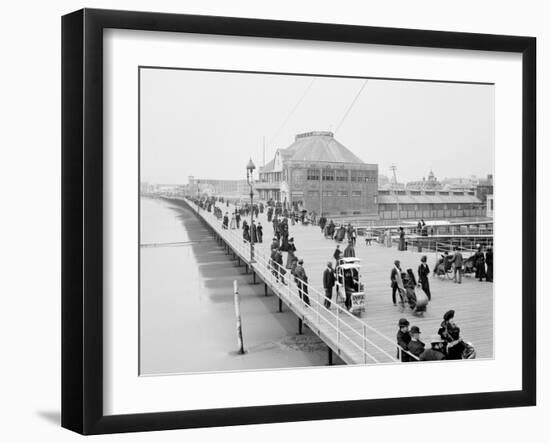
82 219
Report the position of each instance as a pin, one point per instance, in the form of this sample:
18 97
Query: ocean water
187 314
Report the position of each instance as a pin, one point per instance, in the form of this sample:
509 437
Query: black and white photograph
302 220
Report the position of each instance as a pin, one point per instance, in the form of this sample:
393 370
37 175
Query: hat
415 330
329 264
396 262
403 322
301 262
423 258
448 315
435 339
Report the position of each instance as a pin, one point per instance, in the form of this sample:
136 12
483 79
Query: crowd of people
480 263
447 344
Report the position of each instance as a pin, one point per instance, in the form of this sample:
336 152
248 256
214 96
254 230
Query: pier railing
352 338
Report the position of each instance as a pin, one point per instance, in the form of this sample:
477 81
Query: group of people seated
445 345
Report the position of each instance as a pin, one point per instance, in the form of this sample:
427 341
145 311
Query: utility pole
393 168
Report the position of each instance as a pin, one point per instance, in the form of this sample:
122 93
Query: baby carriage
417 302
444 267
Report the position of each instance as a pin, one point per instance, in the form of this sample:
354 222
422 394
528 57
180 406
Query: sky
208 124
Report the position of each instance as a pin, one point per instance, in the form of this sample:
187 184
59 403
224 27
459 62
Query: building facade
318 173
431 184
416 204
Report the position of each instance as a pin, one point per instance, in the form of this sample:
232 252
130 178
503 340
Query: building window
313 174
356 193
313 193
328 175
359 176
342 175
328 194
342 193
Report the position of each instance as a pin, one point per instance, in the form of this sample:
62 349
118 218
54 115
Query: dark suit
328 284
394 286
403 340
423 273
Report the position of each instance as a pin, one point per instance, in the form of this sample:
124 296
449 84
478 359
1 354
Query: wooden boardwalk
345 334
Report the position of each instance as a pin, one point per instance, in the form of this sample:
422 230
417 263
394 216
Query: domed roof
319 146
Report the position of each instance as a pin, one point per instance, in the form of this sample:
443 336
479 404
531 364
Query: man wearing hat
416 347
396 281
423 273
436 350
403 339
328 283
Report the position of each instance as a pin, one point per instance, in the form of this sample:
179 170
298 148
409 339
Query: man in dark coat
238 218
403 340
423 273
275 243
225 221
280 267
457 262
395 277
489 263
328 283
260 232
301 281
416 347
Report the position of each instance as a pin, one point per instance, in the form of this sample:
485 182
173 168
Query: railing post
365 342
338 326
238 316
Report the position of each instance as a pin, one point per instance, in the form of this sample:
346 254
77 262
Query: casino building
318 173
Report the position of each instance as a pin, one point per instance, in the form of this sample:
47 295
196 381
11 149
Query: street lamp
250 180
198 195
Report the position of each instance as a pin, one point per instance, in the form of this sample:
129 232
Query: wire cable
351 105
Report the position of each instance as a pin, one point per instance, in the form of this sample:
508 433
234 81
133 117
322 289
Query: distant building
416 204
318 173
465 184
218 187
484 188
431 184
490 205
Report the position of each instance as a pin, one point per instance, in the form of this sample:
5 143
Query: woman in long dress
291 256
402 246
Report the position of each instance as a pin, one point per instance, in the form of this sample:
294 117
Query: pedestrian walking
350 250
423 276
301 281
396 282
489 263
328 283
260 232
337 254
457 262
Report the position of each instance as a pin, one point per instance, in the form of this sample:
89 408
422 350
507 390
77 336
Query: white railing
349 333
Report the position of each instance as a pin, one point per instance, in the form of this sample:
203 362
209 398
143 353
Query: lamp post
250 180
198 196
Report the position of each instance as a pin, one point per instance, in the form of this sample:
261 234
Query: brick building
318 173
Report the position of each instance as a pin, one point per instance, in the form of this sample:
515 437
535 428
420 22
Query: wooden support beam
280 305
329 356
300 324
